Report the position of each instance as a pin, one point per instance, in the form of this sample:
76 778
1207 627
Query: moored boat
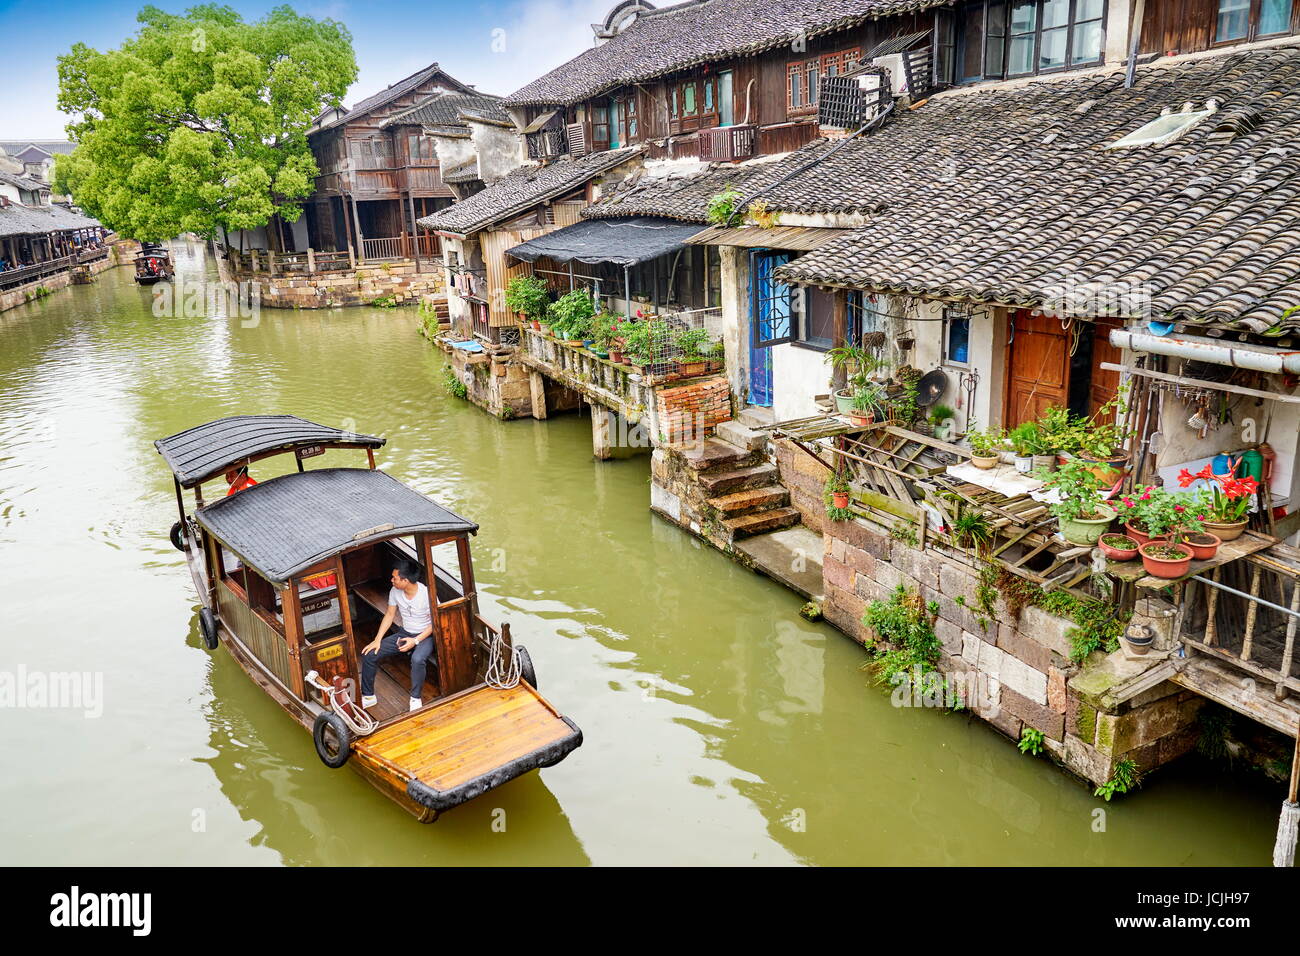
153 263
294 575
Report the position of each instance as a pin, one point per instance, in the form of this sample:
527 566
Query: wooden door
453 629
1038 366
1105 383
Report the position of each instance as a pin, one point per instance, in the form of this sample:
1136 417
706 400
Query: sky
496 46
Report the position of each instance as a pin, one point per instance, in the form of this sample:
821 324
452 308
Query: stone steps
751 501
752 524
713 453
736 479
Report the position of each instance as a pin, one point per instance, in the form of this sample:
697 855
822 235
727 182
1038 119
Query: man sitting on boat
411 598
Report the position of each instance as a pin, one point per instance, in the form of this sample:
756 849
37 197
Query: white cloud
534 37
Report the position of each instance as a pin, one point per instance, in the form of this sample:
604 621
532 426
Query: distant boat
152 264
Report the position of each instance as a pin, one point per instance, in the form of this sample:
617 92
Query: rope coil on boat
357 720
500 674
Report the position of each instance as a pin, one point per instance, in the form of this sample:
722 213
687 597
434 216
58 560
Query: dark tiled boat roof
286 524
204 451
524 188
445 109
687 34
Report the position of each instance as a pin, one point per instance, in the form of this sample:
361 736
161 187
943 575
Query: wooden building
378 168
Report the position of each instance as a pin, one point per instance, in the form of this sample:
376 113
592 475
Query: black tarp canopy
200 453
624 242
285 525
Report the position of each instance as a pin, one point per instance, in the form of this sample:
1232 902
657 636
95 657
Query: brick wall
693 411
331 289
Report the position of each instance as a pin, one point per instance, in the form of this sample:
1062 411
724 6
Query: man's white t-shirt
416 615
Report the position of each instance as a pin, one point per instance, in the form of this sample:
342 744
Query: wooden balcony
725 144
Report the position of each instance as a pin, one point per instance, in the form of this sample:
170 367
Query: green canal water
720 727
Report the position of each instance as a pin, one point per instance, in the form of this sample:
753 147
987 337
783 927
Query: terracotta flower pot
840 499
616 356
1162 567
1201 550
1225 531
984 461
1118 554
860 418
1140 536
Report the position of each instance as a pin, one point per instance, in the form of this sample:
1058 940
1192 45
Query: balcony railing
617 386
725 144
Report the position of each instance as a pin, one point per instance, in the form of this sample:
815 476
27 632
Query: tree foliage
200 121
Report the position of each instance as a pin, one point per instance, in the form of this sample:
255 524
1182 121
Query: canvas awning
799 238
624 242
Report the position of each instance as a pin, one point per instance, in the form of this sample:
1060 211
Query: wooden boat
293 574
152 264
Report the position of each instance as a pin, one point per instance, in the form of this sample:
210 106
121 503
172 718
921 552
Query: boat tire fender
526 669
332 756
208 630
177 536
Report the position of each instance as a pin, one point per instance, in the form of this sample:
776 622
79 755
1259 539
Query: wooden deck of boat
465 737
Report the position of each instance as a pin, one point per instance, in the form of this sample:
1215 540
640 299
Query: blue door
770 320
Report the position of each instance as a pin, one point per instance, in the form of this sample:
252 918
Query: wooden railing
12 278
265 640
312 262
1247 614
724 144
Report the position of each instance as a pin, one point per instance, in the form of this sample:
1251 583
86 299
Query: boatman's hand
372 647
404 644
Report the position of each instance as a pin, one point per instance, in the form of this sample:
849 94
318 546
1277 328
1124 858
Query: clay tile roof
688 34
1009 196
445 109
524 188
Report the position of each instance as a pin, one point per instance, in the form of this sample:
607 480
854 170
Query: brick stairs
740 488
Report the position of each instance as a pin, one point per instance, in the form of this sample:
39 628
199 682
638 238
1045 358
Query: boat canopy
205 451
284 525
624 242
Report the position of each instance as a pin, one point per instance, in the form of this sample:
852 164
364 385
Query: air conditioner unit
893 63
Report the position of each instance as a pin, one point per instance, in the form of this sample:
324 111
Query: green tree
200 121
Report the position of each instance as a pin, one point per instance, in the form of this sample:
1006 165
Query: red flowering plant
1158 512
1226 498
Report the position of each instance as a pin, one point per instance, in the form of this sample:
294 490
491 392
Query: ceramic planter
1138 645
984 461
1086 531
840 499
1202 550
860 418
943 432
1107 470
1024 463
844 401
1140 536
1225 531
1118 554
1162 567
1045 462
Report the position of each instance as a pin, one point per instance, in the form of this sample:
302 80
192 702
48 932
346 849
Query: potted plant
691 344
1204 544
837 486
604 332
1100 443
528 296
1118 547
1225 501
1156 514
859 365
1024 438
571 314
941 421
1061 435
984 446
1079 510
865 404
1138 639
1165 559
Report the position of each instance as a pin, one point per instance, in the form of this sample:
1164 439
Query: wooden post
270 261
311 260
537 392
839 334
415 227
356 222
291 611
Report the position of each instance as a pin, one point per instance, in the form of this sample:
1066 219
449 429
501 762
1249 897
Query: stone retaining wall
397 281
119 253
1016 667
